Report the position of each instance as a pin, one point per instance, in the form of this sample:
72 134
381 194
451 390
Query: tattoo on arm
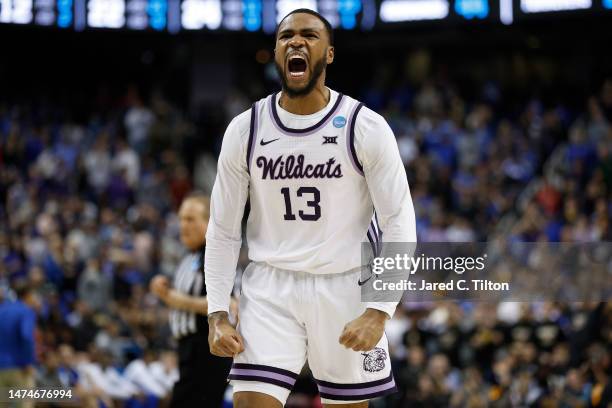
217 316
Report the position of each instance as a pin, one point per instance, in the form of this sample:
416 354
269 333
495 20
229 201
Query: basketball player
315 164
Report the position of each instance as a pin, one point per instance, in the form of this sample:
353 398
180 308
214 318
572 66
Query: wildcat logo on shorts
374 360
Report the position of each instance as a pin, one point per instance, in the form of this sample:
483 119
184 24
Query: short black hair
328 27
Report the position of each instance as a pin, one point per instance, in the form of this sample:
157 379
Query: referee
202 376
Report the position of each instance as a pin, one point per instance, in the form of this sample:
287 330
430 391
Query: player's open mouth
297 66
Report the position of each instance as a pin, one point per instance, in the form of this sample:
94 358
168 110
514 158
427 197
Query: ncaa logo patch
339 121
374 360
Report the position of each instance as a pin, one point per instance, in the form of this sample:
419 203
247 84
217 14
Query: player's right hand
223 339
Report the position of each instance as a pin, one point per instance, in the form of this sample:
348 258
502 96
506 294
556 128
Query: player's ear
330 54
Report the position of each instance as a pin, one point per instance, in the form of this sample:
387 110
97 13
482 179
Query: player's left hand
363 333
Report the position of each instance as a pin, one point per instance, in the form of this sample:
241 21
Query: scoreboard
263 15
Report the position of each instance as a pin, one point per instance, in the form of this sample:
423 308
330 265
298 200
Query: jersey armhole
352 152
252 136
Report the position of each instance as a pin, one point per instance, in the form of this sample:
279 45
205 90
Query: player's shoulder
370 122
365 115
240 124
369 116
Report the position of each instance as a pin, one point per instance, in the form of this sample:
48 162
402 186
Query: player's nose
297 41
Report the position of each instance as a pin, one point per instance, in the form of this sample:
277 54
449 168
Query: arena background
504 128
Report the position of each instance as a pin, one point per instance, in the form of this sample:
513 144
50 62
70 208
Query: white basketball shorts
287 317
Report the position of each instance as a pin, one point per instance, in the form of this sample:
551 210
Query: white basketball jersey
310 205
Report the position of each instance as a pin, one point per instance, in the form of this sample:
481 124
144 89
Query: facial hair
317 71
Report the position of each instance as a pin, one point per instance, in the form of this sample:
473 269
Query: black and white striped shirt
188 279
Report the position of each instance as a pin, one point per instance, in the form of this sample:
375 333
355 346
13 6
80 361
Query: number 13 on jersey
308 192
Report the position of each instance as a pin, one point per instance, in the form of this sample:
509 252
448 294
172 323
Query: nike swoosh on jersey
263 143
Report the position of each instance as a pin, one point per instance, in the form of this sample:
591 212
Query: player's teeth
296 74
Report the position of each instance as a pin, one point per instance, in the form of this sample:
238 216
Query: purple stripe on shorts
263 367
360 391
358 397
367 384
263 374
260 379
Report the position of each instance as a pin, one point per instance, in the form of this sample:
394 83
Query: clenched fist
363 333
223 339
160 286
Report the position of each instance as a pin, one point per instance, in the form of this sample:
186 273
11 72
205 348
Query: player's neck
313 102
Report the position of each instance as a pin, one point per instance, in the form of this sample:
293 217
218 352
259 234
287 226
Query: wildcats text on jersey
294 168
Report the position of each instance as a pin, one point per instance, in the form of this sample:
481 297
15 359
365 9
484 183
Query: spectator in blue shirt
17 324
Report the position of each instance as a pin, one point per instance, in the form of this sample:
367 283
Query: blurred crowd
468 163
549 171
477 354
88 216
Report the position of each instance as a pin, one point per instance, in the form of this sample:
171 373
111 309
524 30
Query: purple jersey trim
252 136
373 237
350 140
301 132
